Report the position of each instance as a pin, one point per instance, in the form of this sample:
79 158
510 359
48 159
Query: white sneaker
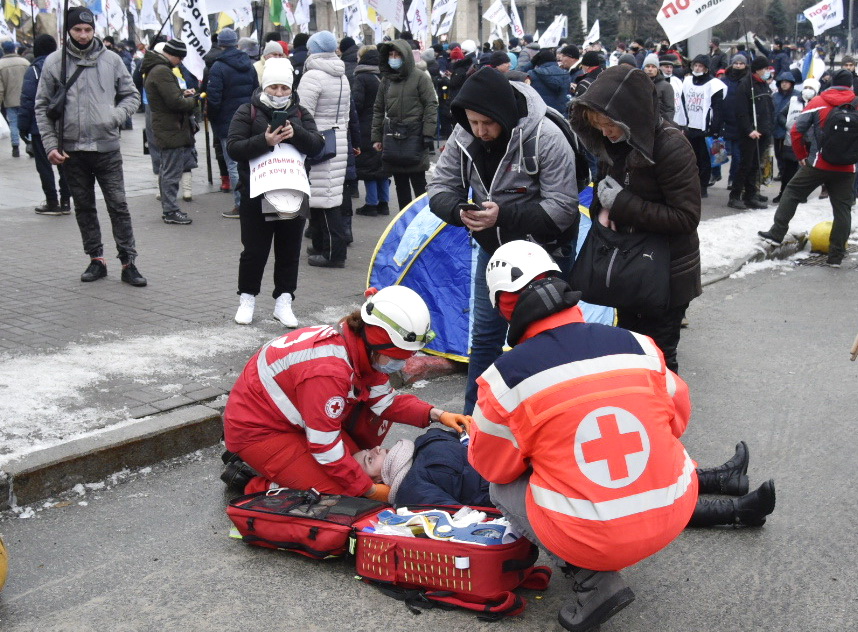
283 311
246 305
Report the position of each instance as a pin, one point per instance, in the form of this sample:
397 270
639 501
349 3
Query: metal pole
63 79
849 30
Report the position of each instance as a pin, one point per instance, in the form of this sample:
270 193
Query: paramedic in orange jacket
577 428
310 399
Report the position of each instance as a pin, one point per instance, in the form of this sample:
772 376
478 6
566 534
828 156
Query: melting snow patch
757 266
420 384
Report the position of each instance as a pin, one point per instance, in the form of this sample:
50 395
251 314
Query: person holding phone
273 116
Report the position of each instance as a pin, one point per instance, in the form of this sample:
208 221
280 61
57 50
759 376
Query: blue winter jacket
441 474
782 100
232 82
552 84
27 112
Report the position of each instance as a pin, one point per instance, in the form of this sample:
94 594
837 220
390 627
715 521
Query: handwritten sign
282 168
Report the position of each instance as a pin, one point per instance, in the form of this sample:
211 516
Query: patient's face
371 461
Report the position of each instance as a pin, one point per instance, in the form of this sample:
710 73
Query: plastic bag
4 128
718 151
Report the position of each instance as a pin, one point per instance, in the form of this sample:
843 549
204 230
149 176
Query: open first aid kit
454 556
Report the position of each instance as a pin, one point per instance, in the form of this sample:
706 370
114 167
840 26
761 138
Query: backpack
839 143
582 166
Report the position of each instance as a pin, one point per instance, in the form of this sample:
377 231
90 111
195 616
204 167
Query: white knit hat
396 465
651 60
277 70
468 46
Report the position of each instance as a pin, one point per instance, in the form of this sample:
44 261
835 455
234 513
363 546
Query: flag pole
753 101
164 23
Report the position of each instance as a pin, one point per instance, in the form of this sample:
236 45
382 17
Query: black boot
730 478
347 229
236 473
749 510
598 596
367 210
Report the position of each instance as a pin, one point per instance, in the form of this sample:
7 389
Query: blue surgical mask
395 63
393 365
767 75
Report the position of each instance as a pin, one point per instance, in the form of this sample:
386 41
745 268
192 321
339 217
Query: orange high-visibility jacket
595 413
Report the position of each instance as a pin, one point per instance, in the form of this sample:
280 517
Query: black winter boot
749 510
236 473
730 478
599 595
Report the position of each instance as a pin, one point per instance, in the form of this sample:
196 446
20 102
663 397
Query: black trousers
327 232
406 183
257 235
746 184
664 330
46 172
704 160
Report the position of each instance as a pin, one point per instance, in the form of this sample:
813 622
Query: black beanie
346 43
759 62
43 45
842 78
79 15
702 59
177 48
487 92
591 58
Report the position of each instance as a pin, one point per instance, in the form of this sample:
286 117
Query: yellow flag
224 20
13 12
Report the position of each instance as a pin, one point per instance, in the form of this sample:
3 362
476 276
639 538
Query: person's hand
481 220
274 137
378 491
459 423
57 158
608 191
755 135
189 92
376 146
356 151
803 163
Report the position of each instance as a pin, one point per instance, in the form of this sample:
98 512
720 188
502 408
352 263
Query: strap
291 546
339 100
522 564
537 578
74 77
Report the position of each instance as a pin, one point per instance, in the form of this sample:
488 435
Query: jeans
232 167
405 182
46 172
840 195
488 333
12 117
377 191
257 234
83 169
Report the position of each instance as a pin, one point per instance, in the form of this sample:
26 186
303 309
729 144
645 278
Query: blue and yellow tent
437 261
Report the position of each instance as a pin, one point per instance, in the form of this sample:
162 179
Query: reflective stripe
321 438
283 403
383 404
305 355
647 345
619 507
671 383
489 427
380 389
510 399
329 456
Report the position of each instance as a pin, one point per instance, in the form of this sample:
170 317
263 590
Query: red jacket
812 121
309 383
596 415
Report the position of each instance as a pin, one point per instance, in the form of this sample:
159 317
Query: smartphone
279 119
470 207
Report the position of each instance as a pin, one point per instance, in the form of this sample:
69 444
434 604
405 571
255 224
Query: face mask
807 94
395 63
393 365
697 73
767 75
279 102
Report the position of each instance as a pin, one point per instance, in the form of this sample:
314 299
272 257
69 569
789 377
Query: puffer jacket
405 96
13 67
231 83
781 101
441 475
326 94
247 139
98 103
171 110
350 60
666 97
365 88
551 82
656 168
534 184
27 114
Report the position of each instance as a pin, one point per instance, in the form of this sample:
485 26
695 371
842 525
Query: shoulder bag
402 143
330 135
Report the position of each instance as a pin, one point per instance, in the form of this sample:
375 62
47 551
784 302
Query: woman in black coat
250 136
365 84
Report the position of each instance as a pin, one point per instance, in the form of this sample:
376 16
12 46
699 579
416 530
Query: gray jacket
534 185
100 100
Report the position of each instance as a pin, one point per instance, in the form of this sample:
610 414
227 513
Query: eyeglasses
407 336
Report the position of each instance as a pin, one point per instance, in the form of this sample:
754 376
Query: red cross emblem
612 447
334 407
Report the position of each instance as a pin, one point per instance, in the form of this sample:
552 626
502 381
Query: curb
45 473
792 244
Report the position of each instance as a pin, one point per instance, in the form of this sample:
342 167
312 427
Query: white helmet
514 265
401 312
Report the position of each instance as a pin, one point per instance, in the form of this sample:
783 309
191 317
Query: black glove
429 144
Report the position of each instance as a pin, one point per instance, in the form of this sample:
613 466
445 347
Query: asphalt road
766 358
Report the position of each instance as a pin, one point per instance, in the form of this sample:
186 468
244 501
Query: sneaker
131 275
312 251
737 204
176 217
49 207
714 179
761 198
96 270
65 206
755 203
283 310
834 260
598 596
321 261
768 237
383 208
233 214
367 210
28 147
246 305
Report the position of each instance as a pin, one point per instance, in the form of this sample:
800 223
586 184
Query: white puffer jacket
322 86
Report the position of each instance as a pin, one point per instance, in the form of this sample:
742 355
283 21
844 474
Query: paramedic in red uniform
577 428
308 400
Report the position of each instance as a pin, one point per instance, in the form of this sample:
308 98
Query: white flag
337 5
241 12
515 18
164 7
553 33
351 20
391 10
825 15
681 19
195 34
447 22
594 35
148 19
302 13
497 14
418 17
443 12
